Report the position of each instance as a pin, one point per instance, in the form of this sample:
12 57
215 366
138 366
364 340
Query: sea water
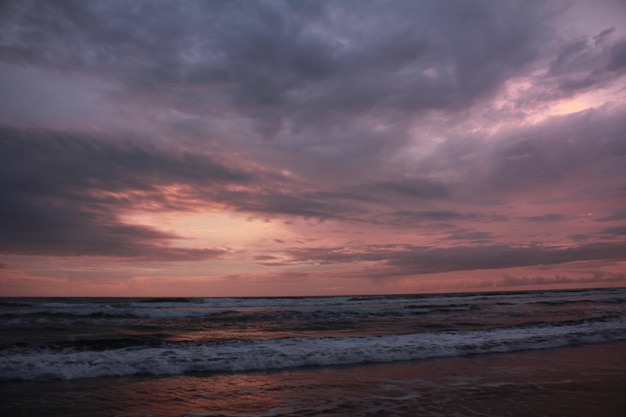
254 356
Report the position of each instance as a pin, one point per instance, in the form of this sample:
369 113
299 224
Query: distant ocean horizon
60 356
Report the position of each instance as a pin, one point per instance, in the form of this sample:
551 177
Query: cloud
273 53
410 260
413 188
270 200
617 231
441 136
282 196
551 217
617 215
473 236
595 278
67 193
63 194
318 78
501 256
581 63
443 217
561 151
336 88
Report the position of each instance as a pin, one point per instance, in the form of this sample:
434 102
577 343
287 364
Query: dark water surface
533 353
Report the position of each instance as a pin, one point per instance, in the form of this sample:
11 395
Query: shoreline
576 380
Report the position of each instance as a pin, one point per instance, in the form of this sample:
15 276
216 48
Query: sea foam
241 356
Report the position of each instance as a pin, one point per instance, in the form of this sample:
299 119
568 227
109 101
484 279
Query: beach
585 380
553 353
276 208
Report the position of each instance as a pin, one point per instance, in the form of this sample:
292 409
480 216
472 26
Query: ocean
552 353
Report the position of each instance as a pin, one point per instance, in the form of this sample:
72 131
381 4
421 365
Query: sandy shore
585 380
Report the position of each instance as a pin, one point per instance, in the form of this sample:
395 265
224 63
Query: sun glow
569 106
209 228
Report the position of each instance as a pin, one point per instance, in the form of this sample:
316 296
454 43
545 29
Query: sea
540 353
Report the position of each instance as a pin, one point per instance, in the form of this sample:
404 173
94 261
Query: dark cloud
413 188
273 53
580 237
62 194
617 60
442 218
570 148
617 214
409 260
397 115
271 200
595 278
66 192
319 78
617 231
581 63
55 161
501 256
473 236
552 217
357 203
603 35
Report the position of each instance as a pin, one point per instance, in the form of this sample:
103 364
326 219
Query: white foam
236 356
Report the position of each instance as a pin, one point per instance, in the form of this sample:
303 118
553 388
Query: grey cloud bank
456 135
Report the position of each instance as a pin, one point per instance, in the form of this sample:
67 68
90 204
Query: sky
282 148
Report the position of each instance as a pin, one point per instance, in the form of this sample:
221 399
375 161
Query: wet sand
587 380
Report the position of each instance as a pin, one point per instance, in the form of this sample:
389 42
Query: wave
276 311
95 345
52 305
176 300
242 356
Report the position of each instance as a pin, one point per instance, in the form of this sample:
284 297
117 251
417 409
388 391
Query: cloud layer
314 138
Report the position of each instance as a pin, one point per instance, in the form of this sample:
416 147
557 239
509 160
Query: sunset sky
269 148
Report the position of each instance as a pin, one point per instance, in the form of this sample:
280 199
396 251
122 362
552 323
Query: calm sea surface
372 355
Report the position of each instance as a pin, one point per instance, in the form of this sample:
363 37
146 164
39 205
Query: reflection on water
586 380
